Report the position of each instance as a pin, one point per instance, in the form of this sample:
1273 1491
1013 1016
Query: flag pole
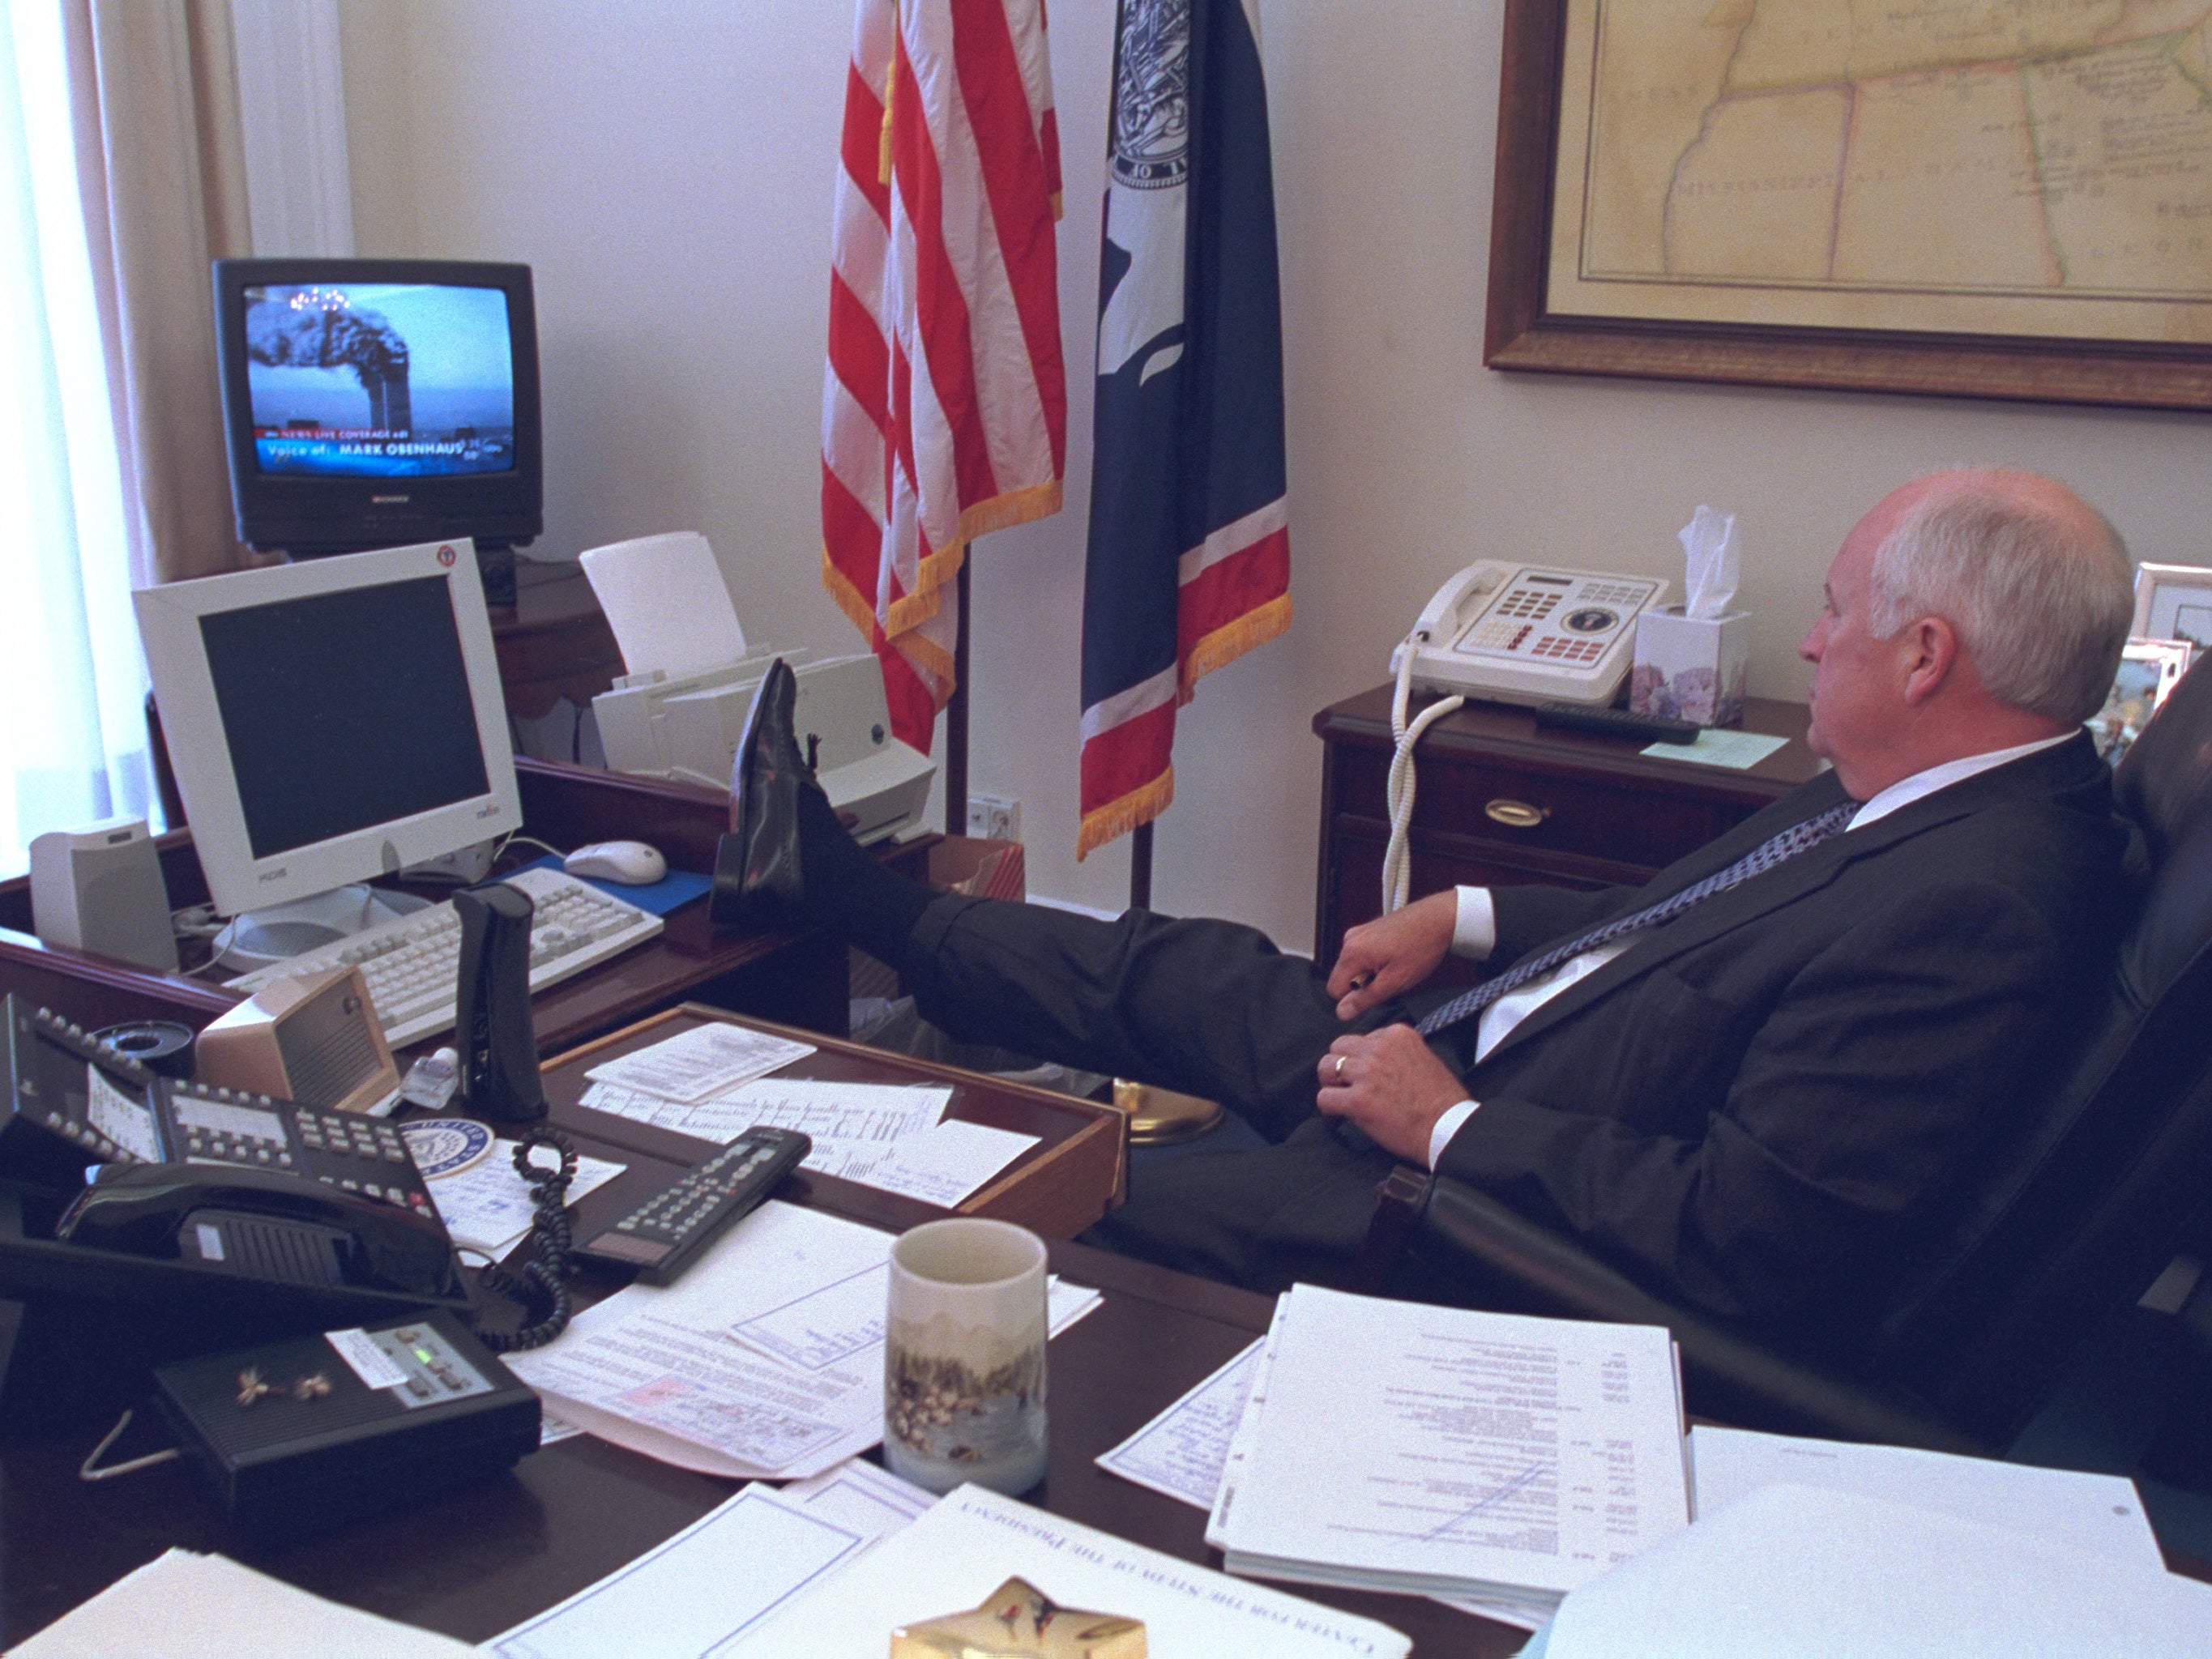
956 721
1140 866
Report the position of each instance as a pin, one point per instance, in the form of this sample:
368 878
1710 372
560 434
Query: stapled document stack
1466 1455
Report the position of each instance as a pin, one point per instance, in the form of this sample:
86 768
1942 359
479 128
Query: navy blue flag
1189 563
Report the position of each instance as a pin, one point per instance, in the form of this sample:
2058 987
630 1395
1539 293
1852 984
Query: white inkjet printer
680 711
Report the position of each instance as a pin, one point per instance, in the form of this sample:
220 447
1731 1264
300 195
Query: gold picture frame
1524 332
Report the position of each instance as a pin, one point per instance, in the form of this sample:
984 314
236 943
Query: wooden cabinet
1500 801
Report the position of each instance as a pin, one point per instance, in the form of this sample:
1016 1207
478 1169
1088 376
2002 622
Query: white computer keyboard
413 964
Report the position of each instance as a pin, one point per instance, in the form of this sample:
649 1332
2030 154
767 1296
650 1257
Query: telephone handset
263 1224
1528 633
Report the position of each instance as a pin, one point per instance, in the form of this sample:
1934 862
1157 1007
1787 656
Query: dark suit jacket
1760 1104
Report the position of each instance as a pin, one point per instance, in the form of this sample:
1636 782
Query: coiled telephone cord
1398 793
542 1285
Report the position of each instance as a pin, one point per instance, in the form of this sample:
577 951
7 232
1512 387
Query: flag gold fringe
922 651
1016 507
929 659
1117 817
1227 643
850 600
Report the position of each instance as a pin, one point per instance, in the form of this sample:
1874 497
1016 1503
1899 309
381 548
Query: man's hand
1393 953
1391 1084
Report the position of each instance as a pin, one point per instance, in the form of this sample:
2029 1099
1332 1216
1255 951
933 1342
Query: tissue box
1690 668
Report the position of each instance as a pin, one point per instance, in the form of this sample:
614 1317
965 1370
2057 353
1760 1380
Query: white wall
666 168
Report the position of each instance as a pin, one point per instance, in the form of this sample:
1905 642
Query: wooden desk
553 641
1501 800
1072 1176
477 1563
797 976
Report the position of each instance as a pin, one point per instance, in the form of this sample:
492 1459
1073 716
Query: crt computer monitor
332 720
371 402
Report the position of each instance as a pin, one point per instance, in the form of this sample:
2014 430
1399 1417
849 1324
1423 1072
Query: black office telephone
143 1217
335 1200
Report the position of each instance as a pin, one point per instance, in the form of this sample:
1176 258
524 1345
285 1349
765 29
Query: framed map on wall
1992 198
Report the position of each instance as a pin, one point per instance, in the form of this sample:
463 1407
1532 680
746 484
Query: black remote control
1616 723
664 1235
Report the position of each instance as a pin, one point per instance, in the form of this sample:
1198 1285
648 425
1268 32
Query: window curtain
120 178
162 166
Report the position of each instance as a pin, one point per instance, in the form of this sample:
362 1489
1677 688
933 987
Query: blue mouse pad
676 888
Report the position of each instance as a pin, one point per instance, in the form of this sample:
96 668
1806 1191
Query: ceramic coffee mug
964 1356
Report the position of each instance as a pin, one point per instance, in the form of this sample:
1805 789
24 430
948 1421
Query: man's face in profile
1858 690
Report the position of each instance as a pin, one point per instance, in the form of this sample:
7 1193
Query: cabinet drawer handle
1516 814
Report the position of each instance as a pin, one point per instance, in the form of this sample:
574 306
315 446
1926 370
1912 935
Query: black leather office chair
2077 1212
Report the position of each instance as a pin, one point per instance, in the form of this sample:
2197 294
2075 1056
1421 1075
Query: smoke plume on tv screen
379 380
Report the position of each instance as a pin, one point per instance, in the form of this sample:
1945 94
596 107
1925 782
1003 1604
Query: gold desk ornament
1162 1117
1019 1621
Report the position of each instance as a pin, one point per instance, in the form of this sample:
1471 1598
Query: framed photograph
1796 193
2149 669
2174 602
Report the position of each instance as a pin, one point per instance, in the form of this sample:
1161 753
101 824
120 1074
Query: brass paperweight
1160 1117
1019 1621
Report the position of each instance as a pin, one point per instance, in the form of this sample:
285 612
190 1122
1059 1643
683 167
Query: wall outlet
994 817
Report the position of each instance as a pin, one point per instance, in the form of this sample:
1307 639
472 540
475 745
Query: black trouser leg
1210 1008
1261 1219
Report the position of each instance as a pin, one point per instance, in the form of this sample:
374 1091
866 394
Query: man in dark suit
1750 1083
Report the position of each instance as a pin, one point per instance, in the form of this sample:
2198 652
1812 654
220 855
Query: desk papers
973 1541
763 1362
707 1060
1464 1452
2096 1514
1797 1570
658 1368
890 1136
726 1572
183 1606
1714 747
1181 1452
946 1162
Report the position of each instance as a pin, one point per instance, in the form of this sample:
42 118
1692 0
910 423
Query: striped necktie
1762 858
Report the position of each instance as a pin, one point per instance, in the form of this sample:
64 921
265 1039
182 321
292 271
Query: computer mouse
632 863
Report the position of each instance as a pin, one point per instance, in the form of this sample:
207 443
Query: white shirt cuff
1448 1124
1475 930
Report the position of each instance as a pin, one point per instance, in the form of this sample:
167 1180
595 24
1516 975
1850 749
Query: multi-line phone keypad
72 1101
1556 617
363 1155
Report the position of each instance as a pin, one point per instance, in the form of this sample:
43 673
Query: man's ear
1931 653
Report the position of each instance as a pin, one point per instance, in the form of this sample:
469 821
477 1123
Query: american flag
1189 563
945 407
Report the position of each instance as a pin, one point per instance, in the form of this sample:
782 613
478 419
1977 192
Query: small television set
329 721
369 403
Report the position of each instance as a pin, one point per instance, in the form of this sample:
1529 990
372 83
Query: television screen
379 380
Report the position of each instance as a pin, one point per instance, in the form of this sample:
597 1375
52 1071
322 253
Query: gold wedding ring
1338 1074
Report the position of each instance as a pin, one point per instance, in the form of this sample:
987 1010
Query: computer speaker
310 1038
99 887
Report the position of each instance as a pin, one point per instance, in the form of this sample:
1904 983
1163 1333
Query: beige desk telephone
1511 633
1530 633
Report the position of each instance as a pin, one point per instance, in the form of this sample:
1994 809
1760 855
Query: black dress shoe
756 865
